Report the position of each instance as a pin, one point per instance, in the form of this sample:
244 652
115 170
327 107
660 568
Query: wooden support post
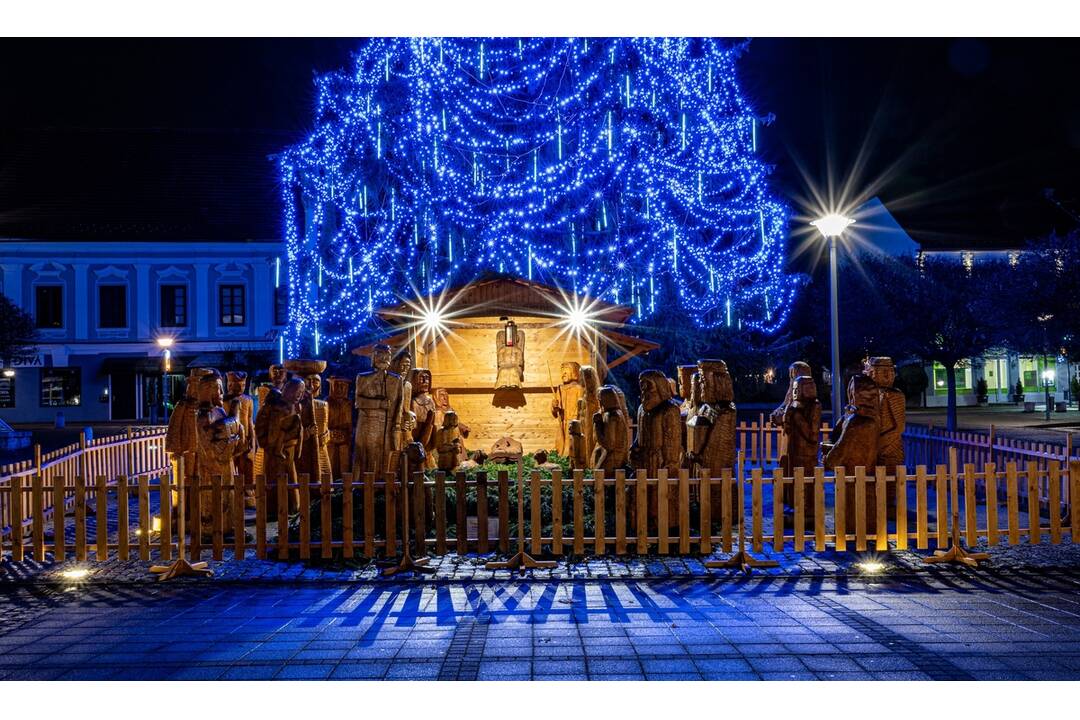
705 512
440 512
534 512
145 527
181 566
641 511
260 517
556 512
840 508
80 518
579 513
326 526
59 546
956 553
482 512
742 560
522 560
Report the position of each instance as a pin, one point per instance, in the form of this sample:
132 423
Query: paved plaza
942 625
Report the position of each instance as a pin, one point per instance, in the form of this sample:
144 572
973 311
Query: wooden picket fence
842 511
137 451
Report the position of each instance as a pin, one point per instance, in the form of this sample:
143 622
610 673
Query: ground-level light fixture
871 567
75 574
9 373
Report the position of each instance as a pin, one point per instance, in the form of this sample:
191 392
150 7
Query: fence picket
418 506
799 488
819 509
860 509
579 513
941 507
15 502
1013 502
59 547
641 512
37 530
778 510
620 512
840 508
684 511
482 510
1074 500
326 529
101 523
217 517
80 519
663 528
556 512
462 532
1034 520
348 548
726 484
990 482
756 509
368 479
504 511
390 500
145 528
881 518
534 513
705 512
901 509
1054 491
283 517
600 536
921 525
260 517
440 509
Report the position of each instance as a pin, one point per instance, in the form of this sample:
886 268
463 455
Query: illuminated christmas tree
620 169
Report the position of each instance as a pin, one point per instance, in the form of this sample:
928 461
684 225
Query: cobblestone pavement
953 625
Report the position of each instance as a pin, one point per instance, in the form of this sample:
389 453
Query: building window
49 306
112 306
174 306
1031 373
60 386
941 380
7 389
231 304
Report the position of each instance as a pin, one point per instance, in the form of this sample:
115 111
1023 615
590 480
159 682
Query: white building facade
101 307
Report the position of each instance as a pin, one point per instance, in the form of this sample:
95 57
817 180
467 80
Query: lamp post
831 228
1048 378
165 343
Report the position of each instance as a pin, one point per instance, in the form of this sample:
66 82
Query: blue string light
612 167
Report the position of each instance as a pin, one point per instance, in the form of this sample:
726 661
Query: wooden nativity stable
463 360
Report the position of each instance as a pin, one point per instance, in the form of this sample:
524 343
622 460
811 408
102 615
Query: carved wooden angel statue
510 366
610 424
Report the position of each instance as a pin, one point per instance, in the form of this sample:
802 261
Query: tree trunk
950 410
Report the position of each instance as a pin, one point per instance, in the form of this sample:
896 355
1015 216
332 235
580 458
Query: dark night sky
130 138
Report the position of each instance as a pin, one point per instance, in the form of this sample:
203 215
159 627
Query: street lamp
165 343
1048 378
831 227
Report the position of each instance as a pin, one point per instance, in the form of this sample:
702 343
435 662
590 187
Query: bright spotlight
75 574
1048 376
871 567
9 373
832 225
164 342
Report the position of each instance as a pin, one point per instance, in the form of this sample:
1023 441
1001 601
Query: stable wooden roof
510 296
518 298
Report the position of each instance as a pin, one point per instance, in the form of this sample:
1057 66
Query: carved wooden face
882 375
277 375
293 391
803 388
210 390
863 394
421 380
575 427
651 394
798 369
402 365
442 397
339 389
609 399
314 385
380 359
716 386
237 384
685 373
570 372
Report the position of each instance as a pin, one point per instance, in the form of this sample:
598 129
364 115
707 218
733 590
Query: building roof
876 230
139 184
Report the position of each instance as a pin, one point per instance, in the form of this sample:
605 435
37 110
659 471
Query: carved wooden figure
380 413
316 456
278 375
659 436
710 429
589 405
218 436
401 365
802 425
578 456
242 406
181 435
449 444
892 417
564 404
441 396
280 434
424 410
687 384
857 445
610 426
340 425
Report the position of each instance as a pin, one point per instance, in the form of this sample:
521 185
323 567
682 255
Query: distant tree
946 313
1041 315
17 332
